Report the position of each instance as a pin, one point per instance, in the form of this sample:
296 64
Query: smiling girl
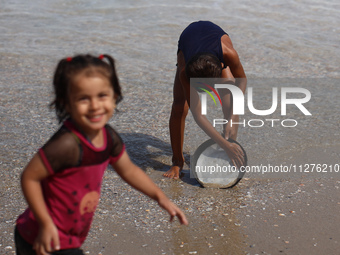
62 182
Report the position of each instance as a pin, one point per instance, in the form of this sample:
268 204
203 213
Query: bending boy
204 51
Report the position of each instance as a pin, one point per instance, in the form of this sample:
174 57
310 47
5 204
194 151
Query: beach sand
295 214
263 214
273 216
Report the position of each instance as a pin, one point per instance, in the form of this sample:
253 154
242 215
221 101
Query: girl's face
91 103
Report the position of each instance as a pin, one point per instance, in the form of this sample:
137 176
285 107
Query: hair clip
101 57
69 59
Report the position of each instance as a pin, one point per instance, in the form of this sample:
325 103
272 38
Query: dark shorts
25 248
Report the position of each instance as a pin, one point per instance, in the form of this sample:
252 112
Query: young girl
62 181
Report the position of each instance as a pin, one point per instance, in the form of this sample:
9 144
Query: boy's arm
136 177
232 60
234 152
31 179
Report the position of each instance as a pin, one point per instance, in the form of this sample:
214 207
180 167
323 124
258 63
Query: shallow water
280 38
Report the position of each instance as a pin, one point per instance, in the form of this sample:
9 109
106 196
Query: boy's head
69 68
203 65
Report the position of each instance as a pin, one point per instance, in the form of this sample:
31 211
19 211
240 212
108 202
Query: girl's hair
69 67
203 65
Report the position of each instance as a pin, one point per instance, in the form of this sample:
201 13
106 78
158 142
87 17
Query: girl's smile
91 103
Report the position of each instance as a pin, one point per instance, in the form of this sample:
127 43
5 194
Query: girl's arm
136 177
31 179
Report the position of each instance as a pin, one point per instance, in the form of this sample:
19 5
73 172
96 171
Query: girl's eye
82 99
103 95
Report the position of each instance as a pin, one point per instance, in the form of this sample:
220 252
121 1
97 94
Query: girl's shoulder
62 150
64 139
112 133
114 141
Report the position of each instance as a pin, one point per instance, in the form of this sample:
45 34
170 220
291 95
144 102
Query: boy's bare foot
173 173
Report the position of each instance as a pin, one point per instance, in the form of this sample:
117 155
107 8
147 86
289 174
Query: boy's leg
179 112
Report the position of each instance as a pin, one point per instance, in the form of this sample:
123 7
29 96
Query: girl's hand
137 178
31 179
47 236
173 210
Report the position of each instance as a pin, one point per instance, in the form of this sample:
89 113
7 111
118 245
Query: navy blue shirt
201 37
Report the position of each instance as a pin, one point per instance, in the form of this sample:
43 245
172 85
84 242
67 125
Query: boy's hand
173 210
236 154
230 130
48 234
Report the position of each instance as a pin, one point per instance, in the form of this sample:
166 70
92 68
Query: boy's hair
203 65
69 67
